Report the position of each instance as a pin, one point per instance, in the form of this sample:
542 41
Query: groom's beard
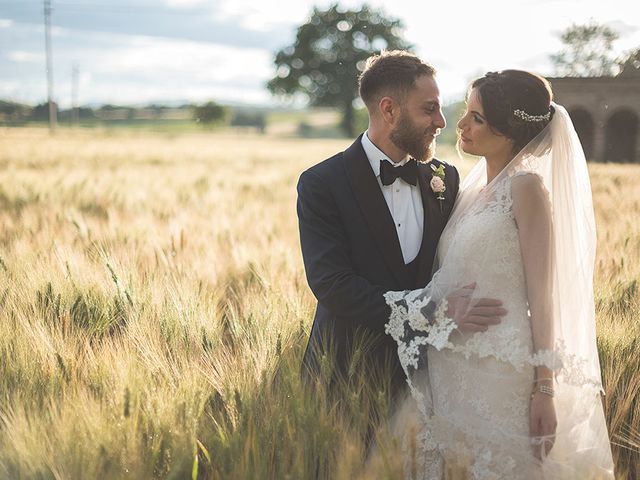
418 143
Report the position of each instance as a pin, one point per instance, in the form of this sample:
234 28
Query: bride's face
475 136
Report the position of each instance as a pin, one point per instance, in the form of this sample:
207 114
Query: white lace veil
556 157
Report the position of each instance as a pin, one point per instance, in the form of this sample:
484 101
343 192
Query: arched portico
606 114
584 125
621 137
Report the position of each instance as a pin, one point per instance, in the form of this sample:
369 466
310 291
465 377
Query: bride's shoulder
528 187
526 180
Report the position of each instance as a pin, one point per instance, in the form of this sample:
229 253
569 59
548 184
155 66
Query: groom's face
420 120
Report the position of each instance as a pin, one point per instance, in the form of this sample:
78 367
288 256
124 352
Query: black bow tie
407 172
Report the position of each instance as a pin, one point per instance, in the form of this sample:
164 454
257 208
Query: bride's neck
495 164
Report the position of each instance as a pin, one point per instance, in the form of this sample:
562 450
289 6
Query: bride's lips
464 139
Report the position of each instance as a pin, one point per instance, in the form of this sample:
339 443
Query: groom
370 217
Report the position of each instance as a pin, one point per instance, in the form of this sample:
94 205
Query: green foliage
41 112
81 113
361 119
12 112
249 119
438 172
453 113
210 113
630 63
587 51
329 53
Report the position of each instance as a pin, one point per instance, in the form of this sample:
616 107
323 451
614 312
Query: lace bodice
487 251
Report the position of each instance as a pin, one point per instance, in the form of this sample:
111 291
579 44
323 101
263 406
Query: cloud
181 19
180 4
137 69
139 50
167 60
261 16
25 57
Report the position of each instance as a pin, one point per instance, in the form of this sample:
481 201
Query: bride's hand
542 423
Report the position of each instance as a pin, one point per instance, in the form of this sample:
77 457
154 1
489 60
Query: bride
521 399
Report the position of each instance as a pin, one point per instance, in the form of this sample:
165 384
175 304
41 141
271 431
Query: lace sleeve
417 319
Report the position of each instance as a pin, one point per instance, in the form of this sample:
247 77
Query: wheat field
154 311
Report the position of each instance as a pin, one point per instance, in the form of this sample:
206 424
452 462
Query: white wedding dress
469 409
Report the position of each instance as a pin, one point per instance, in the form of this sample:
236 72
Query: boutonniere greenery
437 183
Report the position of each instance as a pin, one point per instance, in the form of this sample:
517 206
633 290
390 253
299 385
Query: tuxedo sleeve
329 271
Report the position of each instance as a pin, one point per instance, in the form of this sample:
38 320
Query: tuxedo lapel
374 207
433 224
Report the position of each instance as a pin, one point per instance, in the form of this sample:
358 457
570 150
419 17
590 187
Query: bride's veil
556 157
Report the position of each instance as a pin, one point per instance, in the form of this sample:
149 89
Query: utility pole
47 39
75 119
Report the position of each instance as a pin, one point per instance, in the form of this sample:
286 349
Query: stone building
606 114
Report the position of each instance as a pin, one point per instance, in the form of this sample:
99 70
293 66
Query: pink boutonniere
437 183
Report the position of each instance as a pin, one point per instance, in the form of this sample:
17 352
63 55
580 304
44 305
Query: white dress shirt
404 202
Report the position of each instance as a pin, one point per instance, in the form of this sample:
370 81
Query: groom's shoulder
326 167
320 178
333 167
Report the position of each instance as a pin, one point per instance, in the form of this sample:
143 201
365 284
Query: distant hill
283 121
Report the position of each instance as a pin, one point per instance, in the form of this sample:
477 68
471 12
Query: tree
587 51
40 113
630 64
330 52
249 119
209 113
12 112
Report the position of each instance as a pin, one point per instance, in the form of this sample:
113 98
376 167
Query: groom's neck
380 138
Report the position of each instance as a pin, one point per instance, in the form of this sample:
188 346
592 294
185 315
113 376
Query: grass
154 310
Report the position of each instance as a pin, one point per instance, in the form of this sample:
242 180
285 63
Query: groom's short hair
391 73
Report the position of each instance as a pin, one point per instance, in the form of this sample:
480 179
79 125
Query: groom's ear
389 110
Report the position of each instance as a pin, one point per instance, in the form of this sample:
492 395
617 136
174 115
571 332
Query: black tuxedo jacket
352 254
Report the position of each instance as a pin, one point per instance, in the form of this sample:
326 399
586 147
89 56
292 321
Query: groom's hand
473 315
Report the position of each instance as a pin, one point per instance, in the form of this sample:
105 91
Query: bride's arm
532 211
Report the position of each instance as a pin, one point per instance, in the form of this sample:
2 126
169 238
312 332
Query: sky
174 51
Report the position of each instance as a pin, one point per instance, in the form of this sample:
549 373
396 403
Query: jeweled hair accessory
524 116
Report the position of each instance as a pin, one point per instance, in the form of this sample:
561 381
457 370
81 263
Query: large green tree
330 52
587 52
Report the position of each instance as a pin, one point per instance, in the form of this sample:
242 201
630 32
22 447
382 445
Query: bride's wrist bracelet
545 390
542 379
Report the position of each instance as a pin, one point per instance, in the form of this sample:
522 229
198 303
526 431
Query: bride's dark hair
505 93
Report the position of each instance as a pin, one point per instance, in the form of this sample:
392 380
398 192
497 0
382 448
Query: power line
110 8
75 71
53 120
